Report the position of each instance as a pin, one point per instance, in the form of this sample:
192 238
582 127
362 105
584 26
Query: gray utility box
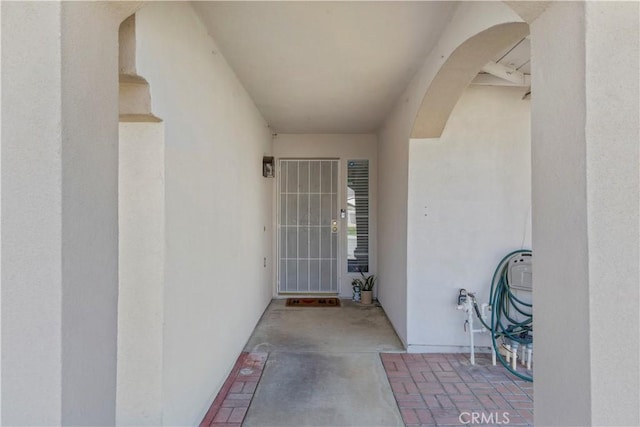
519 273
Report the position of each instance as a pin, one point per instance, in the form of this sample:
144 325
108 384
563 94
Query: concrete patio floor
345 366
324 367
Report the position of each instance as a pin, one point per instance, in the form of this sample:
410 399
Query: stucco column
59 211
585 137
31 215
141 271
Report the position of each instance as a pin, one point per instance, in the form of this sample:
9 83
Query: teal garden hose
511 317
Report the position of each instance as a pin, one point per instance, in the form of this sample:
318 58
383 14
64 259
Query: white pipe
468 306
471 332
483 307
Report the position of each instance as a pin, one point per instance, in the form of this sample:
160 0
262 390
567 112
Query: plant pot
366 297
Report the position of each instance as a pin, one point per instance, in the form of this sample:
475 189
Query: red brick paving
430 389
230 406
435 389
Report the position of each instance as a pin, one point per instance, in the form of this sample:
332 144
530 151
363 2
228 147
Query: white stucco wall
218 206
59 212
141 241
344 147
559 217
613 202
586 213
31 200
89 212
468 19
469 205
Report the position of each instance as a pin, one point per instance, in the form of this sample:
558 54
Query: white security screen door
308 226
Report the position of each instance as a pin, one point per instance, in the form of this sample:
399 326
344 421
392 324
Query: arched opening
577 195
457 72
469 204
469 186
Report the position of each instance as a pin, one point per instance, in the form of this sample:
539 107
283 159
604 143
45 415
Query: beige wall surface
469 19
218 206
469 205
141 243
585 138
31 218
613 202
59 212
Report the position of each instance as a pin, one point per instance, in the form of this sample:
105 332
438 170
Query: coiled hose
503 303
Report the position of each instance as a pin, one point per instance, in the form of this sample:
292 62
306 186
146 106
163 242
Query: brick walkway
430 389
230 406
445 390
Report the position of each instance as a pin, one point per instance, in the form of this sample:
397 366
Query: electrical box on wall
520 273
268 167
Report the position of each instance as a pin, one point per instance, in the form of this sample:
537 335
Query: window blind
358 215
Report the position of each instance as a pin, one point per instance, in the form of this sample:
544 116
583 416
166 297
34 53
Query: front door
308 226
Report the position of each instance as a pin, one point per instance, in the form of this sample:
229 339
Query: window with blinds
358 216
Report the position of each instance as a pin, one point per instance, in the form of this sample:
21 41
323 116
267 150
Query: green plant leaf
369 282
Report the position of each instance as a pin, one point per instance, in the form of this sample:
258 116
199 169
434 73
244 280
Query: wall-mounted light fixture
268 167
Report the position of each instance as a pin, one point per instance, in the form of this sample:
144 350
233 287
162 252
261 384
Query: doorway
308 226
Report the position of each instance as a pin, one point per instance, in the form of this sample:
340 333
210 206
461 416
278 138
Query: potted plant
366 287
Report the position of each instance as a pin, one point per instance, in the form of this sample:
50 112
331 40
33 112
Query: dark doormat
313 302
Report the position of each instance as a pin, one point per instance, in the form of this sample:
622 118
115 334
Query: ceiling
517 56
510 67
325 67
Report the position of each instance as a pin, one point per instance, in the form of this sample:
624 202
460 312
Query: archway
584 204
456 73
